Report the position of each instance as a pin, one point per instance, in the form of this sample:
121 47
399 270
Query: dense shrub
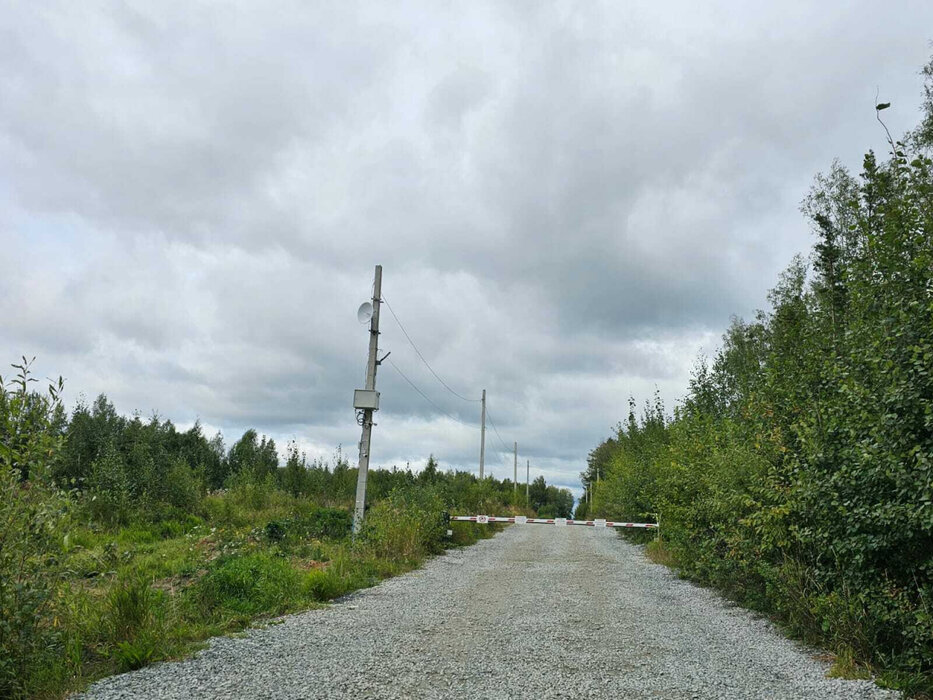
798 473
316 523
407 524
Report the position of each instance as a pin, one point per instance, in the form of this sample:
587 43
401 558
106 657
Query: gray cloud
569 201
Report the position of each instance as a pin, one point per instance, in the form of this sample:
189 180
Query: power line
425 396
501 441
438 378
412 342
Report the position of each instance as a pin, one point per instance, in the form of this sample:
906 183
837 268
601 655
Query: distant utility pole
482 438
527 472
367 400
515 470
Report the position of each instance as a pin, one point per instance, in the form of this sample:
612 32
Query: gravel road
536 612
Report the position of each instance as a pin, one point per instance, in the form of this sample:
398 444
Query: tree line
132 468
797 473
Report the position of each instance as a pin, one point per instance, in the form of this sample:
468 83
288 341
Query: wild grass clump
134 623
251 584
327 584
659 554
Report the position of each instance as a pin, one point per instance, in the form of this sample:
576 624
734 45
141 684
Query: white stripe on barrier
521 519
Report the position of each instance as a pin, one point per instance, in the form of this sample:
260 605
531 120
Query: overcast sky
569 201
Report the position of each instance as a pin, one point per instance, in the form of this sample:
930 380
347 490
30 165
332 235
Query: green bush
406 525
31 538
223 510
111 499
467 533
313 523
182 488
252 491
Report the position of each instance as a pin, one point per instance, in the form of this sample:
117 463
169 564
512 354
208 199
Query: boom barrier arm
521 520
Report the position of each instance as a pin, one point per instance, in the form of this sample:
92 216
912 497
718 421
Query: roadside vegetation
797 475
124 541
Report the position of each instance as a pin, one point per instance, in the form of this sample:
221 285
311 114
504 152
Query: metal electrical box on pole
482 438
363 399
366 401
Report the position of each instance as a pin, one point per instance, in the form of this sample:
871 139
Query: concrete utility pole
482 438
368 401
515 470
527 472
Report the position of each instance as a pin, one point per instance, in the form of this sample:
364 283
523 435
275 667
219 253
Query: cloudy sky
569 201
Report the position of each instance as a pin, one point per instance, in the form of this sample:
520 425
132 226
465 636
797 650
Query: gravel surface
536 612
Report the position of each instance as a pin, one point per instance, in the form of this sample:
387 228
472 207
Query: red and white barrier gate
521 520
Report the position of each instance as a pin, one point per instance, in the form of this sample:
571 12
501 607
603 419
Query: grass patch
657 552
253 584
846 665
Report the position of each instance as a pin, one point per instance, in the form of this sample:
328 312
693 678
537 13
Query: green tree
295 474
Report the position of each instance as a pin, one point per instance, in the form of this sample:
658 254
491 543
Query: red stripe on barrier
549 521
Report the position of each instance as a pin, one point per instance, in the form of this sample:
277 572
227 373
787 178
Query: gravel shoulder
536 612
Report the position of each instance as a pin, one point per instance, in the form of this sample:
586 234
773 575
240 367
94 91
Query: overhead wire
438 378
412 342
501 441
426 398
